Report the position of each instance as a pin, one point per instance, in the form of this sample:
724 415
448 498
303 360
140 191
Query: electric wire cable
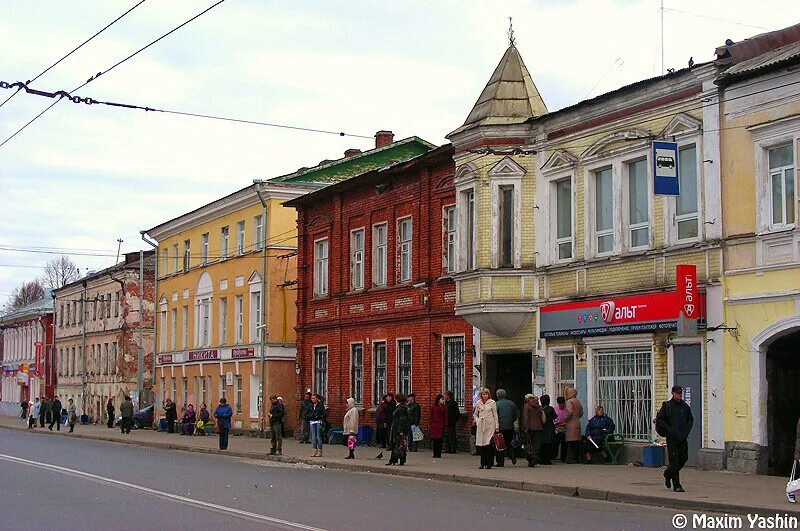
112 67
81 45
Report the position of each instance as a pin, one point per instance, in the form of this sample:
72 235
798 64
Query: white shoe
790 497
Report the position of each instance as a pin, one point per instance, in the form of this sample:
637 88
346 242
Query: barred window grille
379 368
625 390
454 367
320 370
356 373
565 372
404 366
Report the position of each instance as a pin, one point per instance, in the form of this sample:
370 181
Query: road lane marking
161 494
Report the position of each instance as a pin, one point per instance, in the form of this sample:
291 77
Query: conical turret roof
510 96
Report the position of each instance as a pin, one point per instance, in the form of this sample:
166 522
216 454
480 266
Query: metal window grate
565 372
379 378
356 373
404 366
625 390
454 367
320 370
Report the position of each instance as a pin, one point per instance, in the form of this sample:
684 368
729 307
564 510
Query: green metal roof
43 305
330 172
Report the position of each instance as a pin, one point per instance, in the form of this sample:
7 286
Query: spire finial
511 40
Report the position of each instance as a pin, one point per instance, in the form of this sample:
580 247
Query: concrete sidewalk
721 492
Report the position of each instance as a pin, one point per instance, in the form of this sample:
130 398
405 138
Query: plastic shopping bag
793 486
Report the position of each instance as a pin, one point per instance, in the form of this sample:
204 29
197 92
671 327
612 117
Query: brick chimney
383 138
350 152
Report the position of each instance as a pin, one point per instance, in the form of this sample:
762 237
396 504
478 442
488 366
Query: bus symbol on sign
665 162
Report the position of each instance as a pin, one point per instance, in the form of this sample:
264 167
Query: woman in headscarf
572 421
548 441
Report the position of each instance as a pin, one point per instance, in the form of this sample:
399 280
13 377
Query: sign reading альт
688 307
665 168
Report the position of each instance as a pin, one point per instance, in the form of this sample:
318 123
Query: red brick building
375 299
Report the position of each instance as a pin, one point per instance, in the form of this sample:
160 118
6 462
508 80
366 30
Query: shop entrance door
783 402
688 374
511 372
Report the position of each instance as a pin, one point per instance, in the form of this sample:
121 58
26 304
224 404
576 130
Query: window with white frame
258 232
184 389
564 371
563 221
321 267
162 332
173 325
240 237
454 367
378 371
175 258
357 259
505 202
782 195
604 211
255 315
321 370
164 261
624 387
204 330
204 248
115 357
638 205
404 366
467 229
238 316
223 320
223 242
449 229
357 372
686 204
379 257
187 254
238 394
404 248
185 327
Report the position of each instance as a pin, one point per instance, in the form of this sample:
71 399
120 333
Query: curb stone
686 504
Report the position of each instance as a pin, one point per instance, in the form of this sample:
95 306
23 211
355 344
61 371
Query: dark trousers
452 440
573 451
560 447
487 455
500 457
437 447
125 424
276 436
305 431
110 420
170 425
223 438
57 421
31 422
678 452
546 453
41 420
534 446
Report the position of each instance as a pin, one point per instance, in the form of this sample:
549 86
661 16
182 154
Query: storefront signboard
202 355
244 352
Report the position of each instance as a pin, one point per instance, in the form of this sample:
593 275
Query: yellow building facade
558 219
759 106
214 264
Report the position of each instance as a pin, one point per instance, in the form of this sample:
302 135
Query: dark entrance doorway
783 402
511 372
687 372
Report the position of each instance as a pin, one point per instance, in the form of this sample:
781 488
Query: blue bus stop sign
665 168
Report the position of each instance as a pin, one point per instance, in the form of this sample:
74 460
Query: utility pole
140 350
662 37
263 323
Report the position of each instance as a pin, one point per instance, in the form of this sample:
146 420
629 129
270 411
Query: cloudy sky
80 177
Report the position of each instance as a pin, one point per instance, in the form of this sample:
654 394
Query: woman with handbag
223 414
486 426
350 427
548 441
438 425
533 419
72 415
399 432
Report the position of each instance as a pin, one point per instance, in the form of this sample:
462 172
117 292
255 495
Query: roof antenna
511 40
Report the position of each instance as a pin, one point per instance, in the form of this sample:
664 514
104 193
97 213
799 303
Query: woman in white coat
486 425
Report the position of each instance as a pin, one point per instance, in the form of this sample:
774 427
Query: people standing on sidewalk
305 416
389 405
507 414
486 425
44 411
171 415
276 414
596 430
560 450
532 423
548 439
674 421
400 431
316 418
283 420
72 415
203 417
55 408
24 414
380 424
414 417
223 414
126 411
438 425
350 427
110 409
188 420
453 414
34 418
572 422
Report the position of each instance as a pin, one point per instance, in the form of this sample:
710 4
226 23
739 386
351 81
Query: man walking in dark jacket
43 411
276 414
453 414
171 414
305 417
674 421
126 411
55 411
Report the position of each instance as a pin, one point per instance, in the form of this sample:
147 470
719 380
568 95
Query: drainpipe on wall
84 318
264 295
155 299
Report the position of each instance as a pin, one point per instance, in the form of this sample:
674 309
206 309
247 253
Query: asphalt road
51 482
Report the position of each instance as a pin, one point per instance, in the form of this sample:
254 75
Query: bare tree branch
59 272
24 294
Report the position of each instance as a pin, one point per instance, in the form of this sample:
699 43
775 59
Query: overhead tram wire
112 67
81 45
